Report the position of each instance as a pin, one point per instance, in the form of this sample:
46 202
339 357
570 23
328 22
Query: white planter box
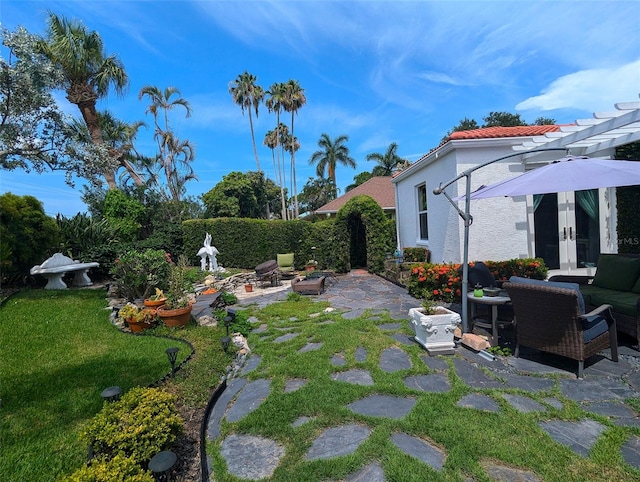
435 332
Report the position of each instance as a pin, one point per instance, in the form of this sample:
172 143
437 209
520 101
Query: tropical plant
387 162
180 287
138 273
174 155
87 74
294 99
248 95
332 152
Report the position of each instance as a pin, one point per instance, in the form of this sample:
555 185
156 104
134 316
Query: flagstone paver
436 383
287 337
355 376
249 399
383 406
603 391
578 436
369 473
421 450
338 441
479 402
250 457
524 404
294 384
310 347
631 451
394 359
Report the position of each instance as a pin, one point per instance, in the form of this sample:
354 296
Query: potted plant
434 326
311 265
156 300
176 310
137 319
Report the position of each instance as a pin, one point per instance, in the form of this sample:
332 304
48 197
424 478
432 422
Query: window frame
422 211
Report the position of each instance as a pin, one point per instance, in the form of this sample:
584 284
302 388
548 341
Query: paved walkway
602 391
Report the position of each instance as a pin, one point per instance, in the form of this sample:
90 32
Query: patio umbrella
571 173
567 174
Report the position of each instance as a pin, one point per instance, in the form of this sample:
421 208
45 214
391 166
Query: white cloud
593 89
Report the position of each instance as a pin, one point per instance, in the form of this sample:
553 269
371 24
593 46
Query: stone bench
54 268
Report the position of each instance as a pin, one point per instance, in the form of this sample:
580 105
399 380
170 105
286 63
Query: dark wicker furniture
308 285
548 319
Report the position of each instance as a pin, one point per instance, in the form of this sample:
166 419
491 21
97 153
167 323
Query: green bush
117 469
138 273
27 235
139 425
416 255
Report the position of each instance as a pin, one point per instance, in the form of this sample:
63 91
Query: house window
422 212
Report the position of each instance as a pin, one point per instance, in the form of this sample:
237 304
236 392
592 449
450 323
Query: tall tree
87 72
503 119
248 95
275 103
544 121
118 136
294 99
387 162
331 153
174 155
271 141
316 193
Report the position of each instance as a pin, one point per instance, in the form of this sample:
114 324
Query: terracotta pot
248 288
155 303
175 317
138 326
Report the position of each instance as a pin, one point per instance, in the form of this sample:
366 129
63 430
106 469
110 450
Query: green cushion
636 288
617 272
285 260
626 303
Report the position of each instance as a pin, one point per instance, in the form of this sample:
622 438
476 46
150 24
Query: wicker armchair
549 319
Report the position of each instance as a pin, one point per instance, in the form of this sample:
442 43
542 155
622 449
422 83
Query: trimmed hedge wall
245 243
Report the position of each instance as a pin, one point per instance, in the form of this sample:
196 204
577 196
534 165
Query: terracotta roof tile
493 132
379 188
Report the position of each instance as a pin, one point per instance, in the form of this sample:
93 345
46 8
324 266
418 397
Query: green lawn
58 351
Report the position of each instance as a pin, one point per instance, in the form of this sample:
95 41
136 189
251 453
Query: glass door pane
587 228
545 218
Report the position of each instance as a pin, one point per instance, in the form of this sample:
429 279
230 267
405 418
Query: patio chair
550 317
285 265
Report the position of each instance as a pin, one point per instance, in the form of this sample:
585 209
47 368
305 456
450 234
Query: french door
566 230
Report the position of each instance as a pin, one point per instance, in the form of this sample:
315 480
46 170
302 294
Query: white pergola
590 136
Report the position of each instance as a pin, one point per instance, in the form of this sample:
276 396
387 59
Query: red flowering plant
533 268
440 282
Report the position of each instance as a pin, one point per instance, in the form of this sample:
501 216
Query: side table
494 302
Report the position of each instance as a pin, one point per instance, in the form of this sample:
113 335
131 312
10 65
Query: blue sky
379 72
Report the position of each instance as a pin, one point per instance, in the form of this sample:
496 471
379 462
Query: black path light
111 394
226 340
172 354
161 465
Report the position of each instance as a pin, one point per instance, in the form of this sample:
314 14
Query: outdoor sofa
616 283
308 285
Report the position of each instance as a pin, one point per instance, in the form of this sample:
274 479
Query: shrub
117 469
139 425
443 282
27 234
124 214
416 255
137 274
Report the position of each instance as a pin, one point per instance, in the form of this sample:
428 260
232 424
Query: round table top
488 300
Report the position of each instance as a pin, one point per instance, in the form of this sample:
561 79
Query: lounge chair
285 265
551 318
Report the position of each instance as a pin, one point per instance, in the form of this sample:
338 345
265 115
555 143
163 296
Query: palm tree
247 94
294 99
87 72
175 155
271 141
118 136
275 103
330 154
387 162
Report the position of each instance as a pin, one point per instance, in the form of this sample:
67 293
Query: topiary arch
379 239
